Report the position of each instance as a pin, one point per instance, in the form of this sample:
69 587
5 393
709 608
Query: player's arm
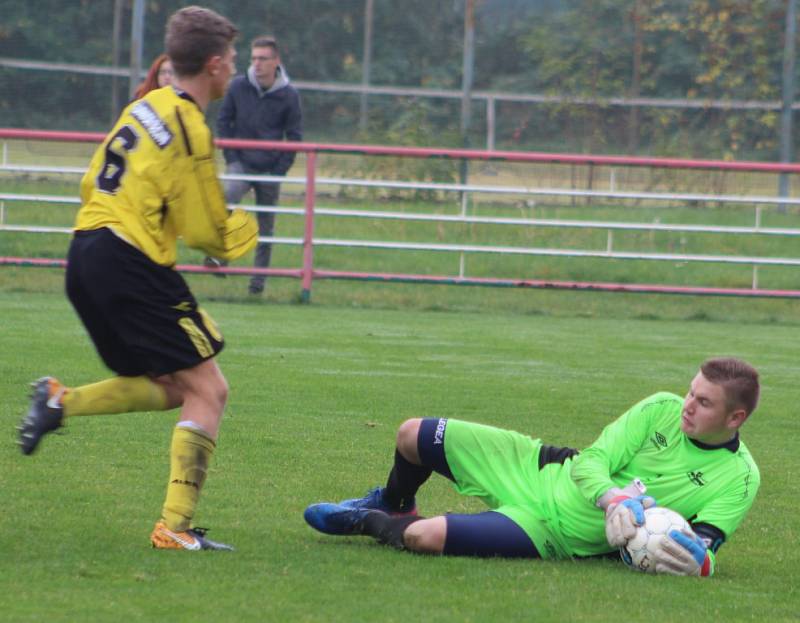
195 202
611 451
689 553
207 224
197 205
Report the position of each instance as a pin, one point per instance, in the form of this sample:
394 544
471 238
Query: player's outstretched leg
193 539
45 413
342 520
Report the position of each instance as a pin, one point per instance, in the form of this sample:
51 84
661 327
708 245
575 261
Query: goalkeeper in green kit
557 502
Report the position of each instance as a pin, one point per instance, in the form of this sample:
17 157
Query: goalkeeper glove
684 553
623 515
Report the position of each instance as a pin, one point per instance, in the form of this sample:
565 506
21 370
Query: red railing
308 273
433 152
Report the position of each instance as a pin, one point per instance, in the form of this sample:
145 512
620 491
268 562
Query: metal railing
311 211
489 99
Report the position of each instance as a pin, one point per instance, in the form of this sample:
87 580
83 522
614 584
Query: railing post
490 123
308 236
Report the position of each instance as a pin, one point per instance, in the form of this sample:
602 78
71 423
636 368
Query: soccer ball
658 522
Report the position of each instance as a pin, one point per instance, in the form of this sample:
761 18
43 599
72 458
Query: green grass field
316 395
318 391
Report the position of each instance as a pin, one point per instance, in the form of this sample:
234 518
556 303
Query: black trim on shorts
141 316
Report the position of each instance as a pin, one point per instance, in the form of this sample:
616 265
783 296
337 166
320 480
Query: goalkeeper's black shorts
140 315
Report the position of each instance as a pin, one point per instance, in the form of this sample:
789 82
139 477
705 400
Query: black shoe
45 414
255 289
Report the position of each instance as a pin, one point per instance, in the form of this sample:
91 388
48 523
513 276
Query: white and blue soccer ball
658 522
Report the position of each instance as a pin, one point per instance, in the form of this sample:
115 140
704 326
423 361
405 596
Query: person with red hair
159 75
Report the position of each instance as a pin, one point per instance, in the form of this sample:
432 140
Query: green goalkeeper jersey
712 485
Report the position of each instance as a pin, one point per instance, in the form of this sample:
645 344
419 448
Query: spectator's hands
683 553
623 515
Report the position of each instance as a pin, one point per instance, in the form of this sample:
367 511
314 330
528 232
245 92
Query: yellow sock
190 455
120 394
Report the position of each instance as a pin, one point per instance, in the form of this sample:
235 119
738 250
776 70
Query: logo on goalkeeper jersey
696 478
659 441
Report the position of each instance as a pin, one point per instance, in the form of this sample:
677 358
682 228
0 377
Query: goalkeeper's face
706 415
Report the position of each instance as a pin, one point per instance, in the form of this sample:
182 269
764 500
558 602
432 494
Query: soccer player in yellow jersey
152 181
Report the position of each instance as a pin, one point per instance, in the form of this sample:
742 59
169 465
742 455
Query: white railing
312 211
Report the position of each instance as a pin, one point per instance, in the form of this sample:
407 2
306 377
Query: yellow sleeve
204 221
196 204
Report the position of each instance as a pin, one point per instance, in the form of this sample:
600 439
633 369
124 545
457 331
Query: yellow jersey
154 179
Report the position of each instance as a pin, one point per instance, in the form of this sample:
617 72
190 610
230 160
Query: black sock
386 529
404 481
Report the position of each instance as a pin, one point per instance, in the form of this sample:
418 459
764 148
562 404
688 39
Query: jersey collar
184 95
732 445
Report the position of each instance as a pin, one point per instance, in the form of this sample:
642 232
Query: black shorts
140 315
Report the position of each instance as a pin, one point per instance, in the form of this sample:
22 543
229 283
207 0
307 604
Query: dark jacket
251 112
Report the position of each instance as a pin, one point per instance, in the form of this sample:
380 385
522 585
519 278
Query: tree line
695 49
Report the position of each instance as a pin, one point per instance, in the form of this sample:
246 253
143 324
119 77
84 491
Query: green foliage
735 48
696 49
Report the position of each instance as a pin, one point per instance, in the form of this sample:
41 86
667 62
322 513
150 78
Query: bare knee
212 387
204 383
426 536
407 440
216 391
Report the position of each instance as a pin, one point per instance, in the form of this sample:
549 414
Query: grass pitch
316 396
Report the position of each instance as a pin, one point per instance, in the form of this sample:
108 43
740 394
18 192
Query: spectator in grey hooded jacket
260 105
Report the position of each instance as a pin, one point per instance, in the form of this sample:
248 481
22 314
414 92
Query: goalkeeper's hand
683 553
623 515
